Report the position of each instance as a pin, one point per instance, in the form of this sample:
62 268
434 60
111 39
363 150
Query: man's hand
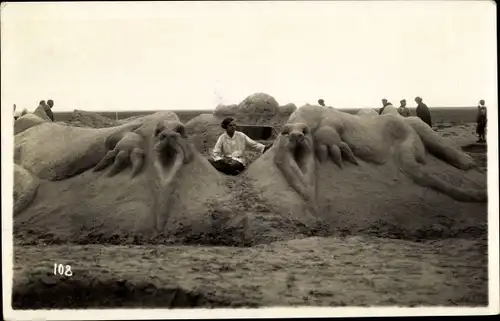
269 145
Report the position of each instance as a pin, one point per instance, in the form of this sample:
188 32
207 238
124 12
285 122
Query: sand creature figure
169 187
312 130
229 151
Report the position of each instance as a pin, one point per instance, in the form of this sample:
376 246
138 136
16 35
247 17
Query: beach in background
454 115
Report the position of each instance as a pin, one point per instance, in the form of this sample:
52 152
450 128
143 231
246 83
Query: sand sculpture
390 110
26 121
25 187
328 132
172 193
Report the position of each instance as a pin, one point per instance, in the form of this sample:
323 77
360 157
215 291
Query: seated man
229 151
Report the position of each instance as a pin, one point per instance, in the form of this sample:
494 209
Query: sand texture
353 271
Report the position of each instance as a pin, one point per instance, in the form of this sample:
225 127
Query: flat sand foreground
352 271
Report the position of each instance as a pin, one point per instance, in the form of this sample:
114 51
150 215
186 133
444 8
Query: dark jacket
479 108
424 114
481 121
48 111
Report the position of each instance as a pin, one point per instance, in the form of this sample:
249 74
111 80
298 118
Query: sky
196 55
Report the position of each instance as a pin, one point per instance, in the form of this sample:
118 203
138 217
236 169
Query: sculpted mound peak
258 108
82 118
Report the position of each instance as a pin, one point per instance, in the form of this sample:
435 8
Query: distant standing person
423 111
17 113
229 151
43 111
481 105
403 110
50 103
481 122
385 103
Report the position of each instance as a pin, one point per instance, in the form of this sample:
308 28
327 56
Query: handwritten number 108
60 269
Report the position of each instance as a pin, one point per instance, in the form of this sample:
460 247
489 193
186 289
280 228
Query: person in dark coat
44 110
50 104
423 111
481 122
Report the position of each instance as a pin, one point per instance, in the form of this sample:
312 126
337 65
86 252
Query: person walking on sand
229 151
481 122
423 111
403 110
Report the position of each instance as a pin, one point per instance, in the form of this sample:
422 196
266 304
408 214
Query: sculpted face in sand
372 139
295 158
170 141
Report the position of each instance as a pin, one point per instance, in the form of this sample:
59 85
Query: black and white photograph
210 159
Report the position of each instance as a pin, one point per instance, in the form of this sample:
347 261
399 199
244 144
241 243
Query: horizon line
192 110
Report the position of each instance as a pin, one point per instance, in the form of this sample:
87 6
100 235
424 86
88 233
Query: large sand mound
178 196
82 118
27 121
54 151
390 110
369 112
257 109
374 199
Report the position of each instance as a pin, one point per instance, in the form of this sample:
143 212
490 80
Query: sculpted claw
336 155
347 153
125 148
337 149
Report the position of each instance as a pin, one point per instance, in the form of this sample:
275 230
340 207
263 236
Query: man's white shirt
234 147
